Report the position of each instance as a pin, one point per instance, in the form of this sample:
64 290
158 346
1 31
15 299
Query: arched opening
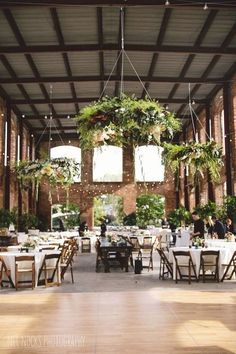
65 217
72 152
107 164
108 207
148 164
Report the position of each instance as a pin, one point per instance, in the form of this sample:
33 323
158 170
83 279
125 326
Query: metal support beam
20 132
7 181
52 48
210 189
227 119
186 189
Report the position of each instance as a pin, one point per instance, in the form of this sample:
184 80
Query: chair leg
71 272
16 278
176 274
160 270
189 273
58 275
45 275
203 273
33 278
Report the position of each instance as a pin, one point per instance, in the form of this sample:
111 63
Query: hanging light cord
49 124
123 54
193 114
122 51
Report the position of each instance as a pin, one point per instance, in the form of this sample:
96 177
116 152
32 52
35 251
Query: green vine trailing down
125 121
57 172
199 157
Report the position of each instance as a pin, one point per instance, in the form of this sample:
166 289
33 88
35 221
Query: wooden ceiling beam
159 3
66 48
160 38
100 42
202 34
87 99
15 109
94 78
61 41
23 91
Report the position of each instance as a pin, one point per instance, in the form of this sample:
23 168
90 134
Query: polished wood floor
160 318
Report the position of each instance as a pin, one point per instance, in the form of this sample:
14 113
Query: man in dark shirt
218 228
199 227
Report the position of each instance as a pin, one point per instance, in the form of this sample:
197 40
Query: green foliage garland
123 121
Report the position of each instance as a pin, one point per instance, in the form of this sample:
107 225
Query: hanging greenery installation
124 121
57 172
197 157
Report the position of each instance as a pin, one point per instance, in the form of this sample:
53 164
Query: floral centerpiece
198 157
198 242
57 172
229 237
29 244
125 121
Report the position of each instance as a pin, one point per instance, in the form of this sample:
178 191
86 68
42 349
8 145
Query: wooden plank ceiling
56 56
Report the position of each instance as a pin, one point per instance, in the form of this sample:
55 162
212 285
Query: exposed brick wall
233 131
13 179
2 112
84 192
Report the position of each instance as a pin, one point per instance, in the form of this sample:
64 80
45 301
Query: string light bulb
167 3
205 6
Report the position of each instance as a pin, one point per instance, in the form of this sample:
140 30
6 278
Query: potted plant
179 217
27 221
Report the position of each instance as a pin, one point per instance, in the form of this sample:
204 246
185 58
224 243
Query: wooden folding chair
183 260
209 261
67 262
147 253
6 272
230 266
24 270
48 267
166 267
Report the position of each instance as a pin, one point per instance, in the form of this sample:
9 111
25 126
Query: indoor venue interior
117 176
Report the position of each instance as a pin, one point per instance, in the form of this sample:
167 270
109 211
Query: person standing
218 228
82 228
229 226
103 228
199 226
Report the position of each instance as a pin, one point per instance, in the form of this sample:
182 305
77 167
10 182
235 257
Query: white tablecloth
224 258
220 244
9 259
183 238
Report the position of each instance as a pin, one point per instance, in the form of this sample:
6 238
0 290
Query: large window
70 152
107 164
148 164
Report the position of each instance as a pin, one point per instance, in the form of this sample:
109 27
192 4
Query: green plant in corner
8 217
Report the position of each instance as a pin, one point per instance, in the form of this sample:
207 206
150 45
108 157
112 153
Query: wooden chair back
23 270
